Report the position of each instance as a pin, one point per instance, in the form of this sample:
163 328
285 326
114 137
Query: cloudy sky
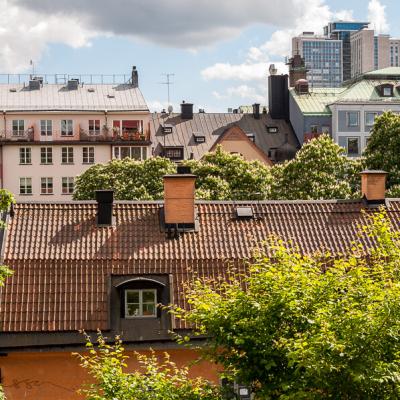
219 50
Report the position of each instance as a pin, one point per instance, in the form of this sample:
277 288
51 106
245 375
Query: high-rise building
322 57
369 52
394 52
342 30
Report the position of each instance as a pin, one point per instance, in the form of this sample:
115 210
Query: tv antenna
168 82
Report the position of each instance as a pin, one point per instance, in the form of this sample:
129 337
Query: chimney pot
105 204
256 111
373 186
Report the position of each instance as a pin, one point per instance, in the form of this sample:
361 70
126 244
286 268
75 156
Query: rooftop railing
62 79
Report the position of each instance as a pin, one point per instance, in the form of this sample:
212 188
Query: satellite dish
170 109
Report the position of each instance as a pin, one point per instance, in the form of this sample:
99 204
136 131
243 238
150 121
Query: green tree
308 326
383 149
320 170
106 363
221 175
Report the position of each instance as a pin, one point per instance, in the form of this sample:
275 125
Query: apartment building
394 52
54 128
322 57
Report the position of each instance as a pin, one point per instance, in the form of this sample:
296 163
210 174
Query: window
326 130
94 126
199 139
67 127
67 155
88 155
135 152
46 127
370 118
18 127
167 128
314 129
173 153
140 303
272 129
353 148
67 185
387 91
46 155
352 118
25 186
46 185
25 155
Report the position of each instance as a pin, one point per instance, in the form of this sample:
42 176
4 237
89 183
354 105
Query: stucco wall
242 147
57 375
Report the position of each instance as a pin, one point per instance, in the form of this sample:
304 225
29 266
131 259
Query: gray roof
56 97
212 126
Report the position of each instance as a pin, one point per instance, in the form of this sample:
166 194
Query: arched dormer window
385 90
140 297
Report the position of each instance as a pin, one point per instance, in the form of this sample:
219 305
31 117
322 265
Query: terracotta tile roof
62 261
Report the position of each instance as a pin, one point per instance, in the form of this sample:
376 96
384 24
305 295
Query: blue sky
219 51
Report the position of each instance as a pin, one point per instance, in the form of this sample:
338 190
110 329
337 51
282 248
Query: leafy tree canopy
383 149
154 380
305 330
320 170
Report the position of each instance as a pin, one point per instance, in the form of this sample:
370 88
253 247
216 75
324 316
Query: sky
218 50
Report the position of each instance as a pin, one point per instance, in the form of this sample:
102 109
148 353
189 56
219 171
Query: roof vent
105 203
167 128
13 90
243 212
301 86
198 138
72 84
34 84
90 90
202 111
111 96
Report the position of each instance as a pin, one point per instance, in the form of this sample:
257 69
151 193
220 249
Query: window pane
149 296
132 296
149 309
136 153
352 146
124 152
370 119
133 310
352 118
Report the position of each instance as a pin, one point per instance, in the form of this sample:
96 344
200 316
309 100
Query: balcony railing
114 135
17 135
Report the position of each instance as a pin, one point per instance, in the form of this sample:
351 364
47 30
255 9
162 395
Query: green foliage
320 170
383 150
153 381
226 176
308 327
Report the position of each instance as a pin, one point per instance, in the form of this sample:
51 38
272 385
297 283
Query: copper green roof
390 72
317 101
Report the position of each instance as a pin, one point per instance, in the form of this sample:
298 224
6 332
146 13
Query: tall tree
295 328
383 149
320 170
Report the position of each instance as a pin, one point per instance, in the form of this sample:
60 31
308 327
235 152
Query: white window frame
93 130
25 156
46 127
48 154
69 155
390 91
89 157
68 183
140 291
117 152
348 119
26 184
347 145
67 127
325 129
20 124
46 185
366 121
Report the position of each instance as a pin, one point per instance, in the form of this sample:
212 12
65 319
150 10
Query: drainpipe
1 150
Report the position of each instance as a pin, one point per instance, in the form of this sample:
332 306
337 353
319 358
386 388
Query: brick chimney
179 208
373 186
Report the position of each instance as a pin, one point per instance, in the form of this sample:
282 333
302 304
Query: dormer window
251 136
272 129
140 303
199 138
386 90
167 128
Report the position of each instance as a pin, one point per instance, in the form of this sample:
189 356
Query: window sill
46 163
67 194
26 194
142 317
67 163
88 163
25 164
46 194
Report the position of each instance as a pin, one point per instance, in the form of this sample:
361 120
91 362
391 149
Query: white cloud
377 16
244 92
25 34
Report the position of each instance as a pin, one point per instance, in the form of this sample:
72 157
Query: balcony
17 135
114 135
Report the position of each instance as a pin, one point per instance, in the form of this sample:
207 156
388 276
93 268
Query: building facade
322 57
394 52
341 30
52 132
369 52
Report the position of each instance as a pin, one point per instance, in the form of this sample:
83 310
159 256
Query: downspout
1 152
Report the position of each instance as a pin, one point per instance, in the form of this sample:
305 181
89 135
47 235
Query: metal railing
64 78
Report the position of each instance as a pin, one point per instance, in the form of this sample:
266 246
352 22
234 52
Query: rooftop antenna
33 67
168 82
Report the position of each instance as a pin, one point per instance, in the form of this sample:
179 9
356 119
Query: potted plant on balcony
125 135
142 136
116 132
